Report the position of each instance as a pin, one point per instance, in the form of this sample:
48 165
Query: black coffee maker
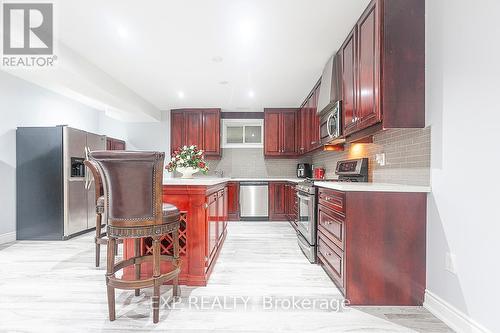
304 170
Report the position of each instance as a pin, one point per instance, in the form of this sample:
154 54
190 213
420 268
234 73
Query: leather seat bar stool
134 209
100 236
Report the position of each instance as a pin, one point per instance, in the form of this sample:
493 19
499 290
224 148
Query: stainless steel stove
347 171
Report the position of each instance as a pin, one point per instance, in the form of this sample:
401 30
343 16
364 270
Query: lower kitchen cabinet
277 201
203 229
372 245
233 201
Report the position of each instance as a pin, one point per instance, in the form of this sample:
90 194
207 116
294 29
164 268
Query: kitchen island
203 203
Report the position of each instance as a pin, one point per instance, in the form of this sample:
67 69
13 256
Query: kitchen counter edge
373 187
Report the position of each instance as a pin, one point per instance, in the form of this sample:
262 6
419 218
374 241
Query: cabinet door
272 133
289 131
277 210
226 206
349 82
304 128
211 133
118 145
220 214
315 141
233 209
176 130
368 51
193 128
212 231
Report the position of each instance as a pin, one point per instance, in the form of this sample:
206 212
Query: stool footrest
139 284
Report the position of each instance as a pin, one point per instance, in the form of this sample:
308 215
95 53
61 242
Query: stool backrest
132 186
94 169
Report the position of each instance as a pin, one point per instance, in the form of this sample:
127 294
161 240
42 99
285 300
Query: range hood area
329 91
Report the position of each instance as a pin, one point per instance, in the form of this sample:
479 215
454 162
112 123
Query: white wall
463 82
25 104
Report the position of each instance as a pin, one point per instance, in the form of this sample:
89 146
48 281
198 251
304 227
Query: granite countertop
373 187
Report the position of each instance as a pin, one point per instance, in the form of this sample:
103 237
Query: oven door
306 223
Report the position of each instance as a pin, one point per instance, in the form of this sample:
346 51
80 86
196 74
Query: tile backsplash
250 162
407 156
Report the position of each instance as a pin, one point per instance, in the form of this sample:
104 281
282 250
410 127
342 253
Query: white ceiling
273 48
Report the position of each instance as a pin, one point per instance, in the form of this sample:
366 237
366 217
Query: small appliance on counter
355 170
304 170
319 173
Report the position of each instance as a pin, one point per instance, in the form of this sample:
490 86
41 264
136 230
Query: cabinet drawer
333 260
332 224
332 199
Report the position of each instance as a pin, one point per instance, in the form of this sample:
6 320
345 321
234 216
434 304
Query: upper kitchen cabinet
348 55
200 127
383 68
280 132
115 144
309 136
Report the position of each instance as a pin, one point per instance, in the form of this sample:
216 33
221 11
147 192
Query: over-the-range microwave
330 128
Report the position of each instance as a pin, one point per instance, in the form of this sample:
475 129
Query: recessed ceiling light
122 32
247 30
180 94
217 59
251 94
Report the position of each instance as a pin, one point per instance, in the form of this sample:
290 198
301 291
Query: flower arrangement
188 160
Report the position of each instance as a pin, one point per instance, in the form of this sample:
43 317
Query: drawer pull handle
328 222
329 254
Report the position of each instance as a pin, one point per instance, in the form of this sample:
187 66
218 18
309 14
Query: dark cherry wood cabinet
308 136
372 245
277 201
212 228
280 132
115 144
348 59
368 53
211 133
200 127
383 68
233 199
202 232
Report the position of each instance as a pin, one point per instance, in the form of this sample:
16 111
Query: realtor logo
28 29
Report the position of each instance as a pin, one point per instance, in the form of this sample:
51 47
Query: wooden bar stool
100 236
134 209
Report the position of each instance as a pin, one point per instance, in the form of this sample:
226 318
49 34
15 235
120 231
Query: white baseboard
451 316
8 237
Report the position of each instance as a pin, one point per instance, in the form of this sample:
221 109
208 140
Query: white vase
187 172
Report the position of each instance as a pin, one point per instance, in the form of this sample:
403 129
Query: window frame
243 123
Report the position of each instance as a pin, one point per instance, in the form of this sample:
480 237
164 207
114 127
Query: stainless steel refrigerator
55 193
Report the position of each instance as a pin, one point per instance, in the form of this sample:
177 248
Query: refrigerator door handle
87 180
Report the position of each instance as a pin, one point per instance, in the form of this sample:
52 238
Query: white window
242 133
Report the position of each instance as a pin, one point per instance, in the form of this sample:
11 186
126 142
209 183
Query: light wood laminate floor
54 287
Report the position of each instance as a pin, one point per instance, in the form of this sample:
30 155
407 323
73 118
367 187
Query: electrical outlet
380 159
450 262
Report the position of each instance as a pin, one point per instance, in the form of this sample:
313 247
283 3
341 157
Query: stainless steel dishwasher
254 201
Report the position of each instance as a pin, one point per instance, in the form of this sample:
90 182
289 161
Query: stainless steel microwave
330 128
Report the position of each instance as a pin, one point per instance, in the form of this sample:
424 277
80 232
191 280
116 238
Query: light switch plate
380 159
